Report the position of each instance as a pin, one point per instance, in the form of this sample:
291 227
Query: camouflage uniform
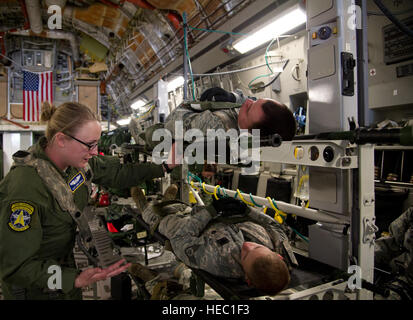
36 232
399 242
194 115
204 115
213 245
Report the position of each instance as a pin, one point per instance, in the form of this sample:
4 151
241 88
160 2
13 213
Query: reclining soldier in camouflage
226 239
219 109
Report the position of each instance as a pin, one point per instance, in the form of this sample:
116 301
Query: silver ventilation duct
34 14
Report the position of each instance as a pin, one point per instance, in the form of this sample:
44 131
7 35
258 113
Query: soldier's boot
142 272
139 198
170 193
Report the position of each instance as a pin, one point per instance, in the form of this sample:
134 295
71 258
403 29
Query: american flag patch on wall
37 88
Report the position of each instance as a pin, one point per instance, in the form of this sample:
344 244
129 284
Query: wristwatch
167 169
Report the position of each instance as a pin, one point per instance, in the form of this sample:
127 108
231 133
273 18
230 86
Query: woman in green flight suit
36 234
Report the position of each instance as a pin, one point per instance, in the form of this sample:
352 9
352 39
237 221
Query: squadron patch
76 181
20 216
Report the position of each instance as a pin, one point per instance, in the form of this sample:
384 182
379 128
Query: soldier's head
269 116
72 134
264 269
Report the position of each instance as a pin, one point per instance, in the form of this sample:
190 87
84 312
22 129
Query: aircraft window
28 58
38 58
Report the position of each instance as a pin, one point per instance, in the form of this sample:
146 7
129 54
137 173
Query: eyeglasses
89 146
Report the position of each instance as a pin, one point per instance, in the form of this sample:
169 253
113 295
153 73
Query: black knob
324 33
314 153
328 154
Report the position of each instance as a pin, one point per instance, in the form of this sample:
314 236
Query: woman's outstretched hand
92 275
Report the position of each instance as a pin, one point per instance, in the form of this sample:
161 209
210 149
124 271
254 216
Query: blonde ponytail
66 118
47 111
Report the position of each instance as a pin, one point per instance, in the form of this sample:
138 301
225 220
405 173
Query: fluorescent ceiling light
175 83
137 104
281 25
123 122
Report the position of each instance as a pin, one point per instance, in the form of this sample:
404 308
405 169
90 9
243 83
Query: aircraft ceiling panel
143 38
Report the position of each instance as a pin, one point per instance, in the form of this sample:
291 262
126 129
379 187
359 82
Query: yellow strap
272 204
194 186
203 187
215 191
278 218
300 183
243 200
192 198
278 212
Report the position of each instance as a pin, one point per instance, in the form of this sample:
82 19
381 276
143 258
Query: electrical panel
331 66
318 7
332 56
329 189
37 58
64 79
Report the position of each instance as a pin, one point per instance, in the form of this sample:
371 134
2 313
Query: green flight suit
35 233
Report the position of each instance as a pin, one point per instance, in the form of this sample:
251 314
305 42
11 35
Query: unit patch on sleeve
76 181
20 217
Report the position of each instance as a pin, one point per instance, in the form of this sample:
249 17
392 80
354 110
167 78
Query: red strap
111 227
